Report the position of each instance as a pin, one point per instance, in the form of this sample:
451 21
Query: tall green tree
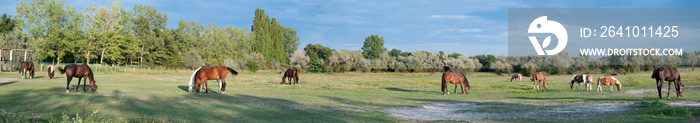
274 41
373 47
53 26
147 24
7 24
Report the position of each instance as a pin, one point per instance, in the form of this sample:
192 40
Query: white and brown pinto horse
51 68
218 73
516 76
609 81
670 74
537 78
585 79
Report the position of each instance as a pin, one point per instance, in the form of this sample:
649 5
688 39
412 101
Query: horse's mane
465 79
191 83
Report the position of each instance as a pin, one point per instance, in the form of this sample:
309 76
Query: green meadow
144 96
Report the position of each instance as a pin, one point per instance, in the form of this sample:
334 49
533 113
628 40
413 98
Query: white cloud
455 30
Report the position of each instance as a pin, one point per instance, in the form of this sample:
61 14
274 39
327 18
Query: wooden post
25 55
12 66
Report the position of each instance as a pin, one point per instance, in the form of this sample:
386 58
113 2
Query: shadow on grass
7 83
407 90
189 107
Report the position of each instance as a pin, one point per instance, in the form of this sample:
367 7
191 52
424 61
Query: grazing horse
51 70
291 74
212 73
455 78
585 79
80 72
670 74
538 77
609 81
27 67
516 76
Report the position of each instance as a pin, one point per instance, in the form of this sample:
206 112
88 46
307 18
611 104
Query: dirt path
479 112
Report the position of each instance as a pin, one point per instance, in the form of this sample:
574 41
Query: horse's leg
461 86
296 80
206 86
455 88
68 84
659 83
668 94
78 87
222 86
85 81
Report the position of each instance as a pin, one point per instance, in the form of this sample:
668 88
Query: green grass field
339 97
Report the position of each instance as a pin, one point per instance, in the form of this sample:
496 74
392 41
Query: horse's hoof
67 91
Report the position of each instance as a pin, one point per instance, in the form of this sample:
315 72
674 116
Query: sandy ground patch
478 112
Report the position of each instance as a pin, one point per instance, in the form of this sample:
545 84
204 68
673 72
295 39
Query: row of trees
113 35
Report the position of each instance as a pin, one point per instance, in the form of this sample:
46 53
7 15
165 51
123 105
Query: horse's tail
62 70
232 71
444 83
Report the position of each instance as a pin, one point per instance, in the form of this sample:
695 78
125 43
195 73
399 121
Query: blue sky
467 27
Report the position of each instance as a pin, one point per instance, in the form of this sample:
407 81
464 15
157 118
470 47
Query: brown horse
585 79
609 81
51 70
291 74
212 73
27 67
670 74
516 76
80 72
538 77
457 79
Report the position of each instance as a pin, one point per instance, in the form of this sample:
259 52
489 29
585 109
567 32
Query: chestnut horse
516 76
80 72
670 74
609 81
291 74
51 70
212 73
455 78
27 67
585 79
538 77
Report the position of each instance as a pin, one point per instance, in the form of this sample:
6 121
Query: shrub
252 66
192 60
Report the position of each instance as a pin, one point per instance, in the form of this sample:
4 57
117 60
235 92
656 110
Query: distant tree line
113 35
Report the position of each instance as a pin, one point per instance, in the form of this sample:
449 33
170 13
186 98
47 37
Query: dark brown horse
80 72
212 73
291 74
670 74
51 70
538 77
27 67
457 79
